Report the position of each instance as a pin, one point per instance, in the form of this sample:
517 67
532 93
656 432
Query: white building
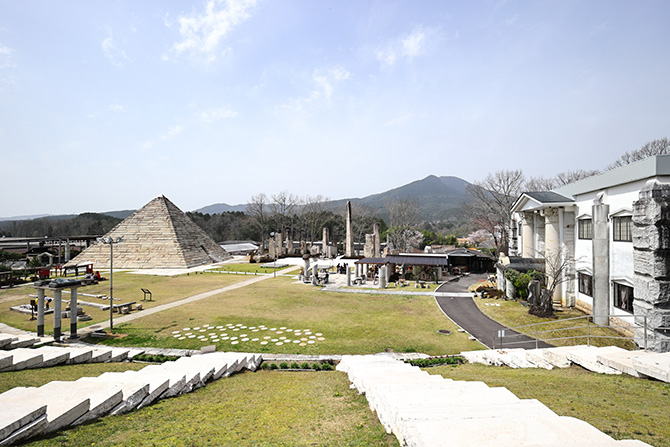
614 229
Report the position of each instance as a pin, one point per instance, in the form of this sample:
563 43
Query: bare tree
660 146
558 269
560 179
403 215
490 203
283 207
313 216
259 210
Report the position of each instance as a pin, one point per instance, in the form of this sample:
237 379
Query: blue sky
105 105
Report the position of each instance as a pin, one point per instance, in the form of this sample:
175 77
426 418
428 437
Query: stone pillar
348 276
528 236
67 250
325 241
552 251
369 248
73 313
382 277
40 312
349 245
58 295
601 261
378 240
651 265
568 247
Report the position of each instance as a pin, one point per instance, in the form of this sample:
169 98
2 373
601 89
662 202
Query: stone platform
428 410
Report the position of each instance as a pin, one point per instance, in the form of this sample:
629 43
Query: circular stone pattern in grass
222 337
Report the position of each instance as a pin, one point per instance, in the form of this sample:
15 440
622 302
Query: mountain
218 208
439 198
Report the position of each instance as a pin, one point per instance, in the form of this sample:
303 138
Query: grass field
165 289
349 323
249 409
513 314
622 406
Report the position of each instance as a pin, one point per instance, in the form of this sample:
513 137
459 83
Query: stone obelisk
349 245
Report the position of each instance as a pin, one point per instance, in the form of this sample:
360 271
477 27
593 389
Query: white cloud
210 116
325 82
201 34
115 55
407 46
116 107
6 57
172 132
399 121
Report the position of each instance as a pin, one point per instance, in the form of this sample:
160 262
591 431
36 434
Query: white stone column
73 313
601 261
528 236
58 295
40 312
552 251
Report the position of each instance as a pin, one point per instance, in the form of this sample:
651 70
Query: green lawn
165 289
513 314
348 323
265 408
248 268
622 406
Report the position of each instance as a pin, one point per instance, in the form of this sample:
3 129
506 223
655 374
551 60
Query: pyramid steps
28 412
433 411
602 360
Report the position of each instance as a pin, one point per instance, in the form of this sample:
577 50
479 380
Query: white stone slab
6 360
52 356
475 357
134 391
27 431
620 360
23 359
6 339
175 375
587 358
656 365
80 355
506 431
23 341
101 355
101 398
559 356
63 405
119 354
18 412
536 356
158 384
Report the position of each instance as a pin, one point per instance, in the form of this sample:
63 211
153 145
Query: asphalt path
464 312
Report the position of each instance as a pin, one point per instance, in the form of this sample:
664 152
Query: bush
316 366
304 365
273 366
521 283
265 366
283 365
294 365
435 361
326 367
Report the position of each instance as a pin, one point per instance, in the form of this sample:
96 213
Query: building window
623 297
623 228
585 230
585 284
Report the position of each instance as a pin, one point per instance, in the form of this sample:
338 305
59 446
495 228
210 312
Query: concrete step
20 418
101 355
133 392
656 365
6 360
23 341
6 340
79 355
62 409
177 378
24 359
158 384
587 358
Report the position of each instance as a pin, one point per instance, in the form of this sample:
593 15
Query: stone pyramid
158 235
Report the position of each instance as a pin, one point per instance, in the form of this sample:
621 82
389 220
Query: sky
105 105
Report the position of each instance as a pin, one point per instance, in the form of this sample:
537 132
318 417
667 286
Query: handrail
538 333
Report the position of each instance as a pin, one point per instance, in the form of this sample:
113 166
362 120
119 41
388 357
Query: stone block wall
651 262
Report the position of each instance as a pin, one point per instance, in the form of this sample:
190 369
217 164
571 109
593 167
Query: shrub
264 366
304 365
316 366
273 366
294 365
283 365
326 367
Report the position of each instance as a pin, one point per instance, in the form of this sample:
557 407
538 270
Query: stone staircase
603 360
428 410
26 412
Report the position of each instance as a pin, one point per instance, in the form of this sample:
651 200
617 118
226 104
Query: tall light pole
111 241
274 267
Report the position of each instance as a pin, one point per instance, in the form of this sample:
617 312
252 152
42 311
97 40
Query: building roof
433 260
656 166
530 201
378 261
468 252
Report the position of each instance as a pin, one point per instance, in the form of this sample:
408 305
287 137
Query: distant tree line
61 226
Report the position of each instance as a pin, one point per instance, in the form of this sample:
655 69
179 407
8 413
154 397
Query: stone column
378 240
67 250
349 245
601 261
528 236
651 265
369 248
325 241
348 276
382 277
552 251
40 312
58 295
73 313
